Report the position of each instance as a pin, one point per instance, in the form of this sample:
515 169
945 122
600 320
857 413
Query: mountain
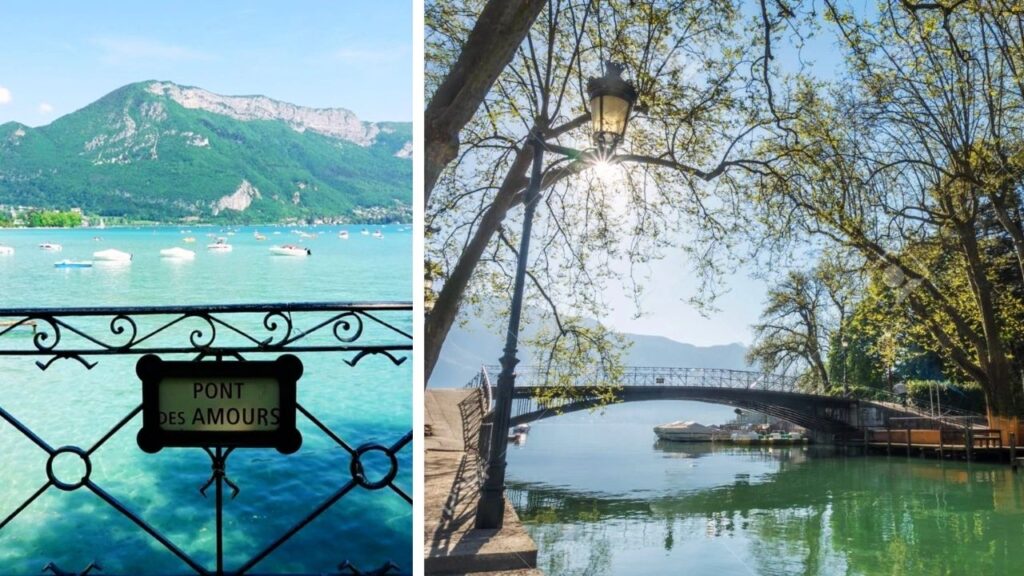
473 344
159 151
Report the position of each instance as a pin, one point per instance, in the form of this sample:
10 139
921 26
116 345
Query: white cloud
119 50
5 95
371 55
45 108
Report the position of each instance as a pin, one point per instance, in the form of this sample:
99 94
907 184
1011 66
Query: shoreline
202 225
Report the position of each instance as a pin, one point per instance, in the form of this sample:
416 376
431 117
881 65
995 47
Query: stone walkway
452 545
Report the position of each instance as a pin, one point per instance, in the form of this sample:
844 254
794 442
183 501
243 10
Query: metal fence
349 332
529 376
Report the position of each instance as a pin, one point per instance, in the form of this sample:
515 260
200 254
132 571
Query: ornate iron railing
349 331
531 377
484 416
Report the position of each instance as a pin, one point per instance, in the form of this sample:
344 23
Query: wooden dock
971 443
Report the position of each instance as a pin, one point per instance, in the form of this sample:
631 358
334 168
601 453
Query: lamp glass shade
611 102
610 113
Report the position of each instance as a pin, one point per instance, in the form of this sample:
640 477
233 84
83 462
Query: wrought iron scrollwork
51 567
364 353
271 326
347 567
347 328
349 323
147 330
39 338
218 470
117 327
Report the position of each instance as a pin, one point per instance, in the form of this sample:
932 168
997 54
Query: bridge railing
667 376
482 382
938 422
346 347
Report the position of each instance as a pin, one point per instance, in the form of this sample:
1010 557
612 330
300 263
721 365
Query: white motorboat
51 246
6 250
689 432
259 236
343 234
177 254
111 255
364 232
378 234
519 434
221 245
73 264
290 250
745 437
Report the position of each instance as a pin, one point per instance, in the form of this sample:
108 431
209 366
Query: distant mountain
468 347
160 151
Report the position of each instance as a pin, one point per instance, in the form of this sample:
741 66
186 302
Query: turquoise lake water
69 405
602 496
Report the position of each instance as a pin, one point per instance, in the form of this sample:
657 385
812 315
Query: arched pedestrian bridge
772 394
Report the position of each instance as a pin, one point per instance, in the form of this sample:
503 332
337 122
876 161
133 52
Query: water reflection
816 512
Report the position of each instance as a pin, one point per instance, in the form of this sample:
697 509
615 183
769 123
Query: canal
601 495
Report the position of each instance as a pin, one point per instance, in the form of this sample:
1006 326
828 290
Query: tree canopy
904 168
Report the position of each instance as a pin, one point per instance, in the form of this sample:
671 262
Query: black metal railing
532 377
350 332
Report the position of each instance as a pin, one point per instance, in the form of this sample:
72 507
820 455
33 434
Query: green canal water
600 495
69 405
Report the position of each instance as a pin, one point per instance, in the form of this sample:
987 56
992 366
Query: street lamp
611 101
846 391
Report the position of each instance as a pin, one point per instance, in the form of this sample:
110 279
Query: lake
601 495
69 405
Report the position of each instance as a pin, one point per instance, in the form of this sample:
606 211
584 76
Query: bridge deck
828 416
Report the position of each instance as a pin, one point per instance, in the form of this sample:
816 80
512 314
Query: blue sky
56 57
670 282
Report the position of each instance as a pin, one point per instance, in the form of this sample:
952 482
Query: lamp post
611 101
846 391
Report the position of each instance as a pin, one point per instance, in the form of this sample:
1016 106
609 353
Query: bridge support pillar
1013 451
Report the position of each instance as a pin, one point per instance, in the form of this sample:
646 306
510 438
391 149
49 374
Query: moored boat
688 432
177 254
751 437
6 250
73 264
343 234
290 250
519 434
51 246
221 245
745 437
111 255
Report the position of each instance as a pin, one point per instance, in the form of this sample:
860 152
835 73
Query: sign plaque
229 404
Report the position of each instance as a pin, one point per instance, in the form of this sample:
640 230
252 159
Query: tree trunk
1004 392
441 318
499 30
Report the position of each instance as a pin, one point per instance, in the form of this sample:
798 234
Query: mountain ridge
158 150
473 344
